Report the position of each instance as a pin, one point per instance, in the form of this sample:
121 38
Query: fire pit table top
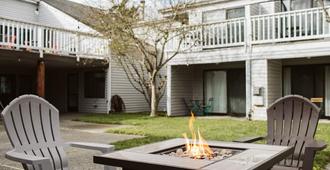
252 156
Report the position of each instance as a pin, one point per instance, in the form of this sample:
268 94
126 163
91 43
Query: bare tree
140 46
326 10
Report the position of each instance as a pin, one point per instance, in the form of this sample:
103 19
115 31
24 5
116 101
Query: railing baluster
284 26
289 26
294 25
312 23
30 35
8 33
274 27
21 33
300 25
239 31
26 36
263 26
17 35
318 22
306 23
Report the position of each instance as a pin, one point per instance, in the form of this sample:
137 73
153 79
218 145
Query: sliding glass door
216 87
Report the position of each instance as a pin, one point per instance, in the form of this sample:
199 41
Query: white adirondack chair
32 125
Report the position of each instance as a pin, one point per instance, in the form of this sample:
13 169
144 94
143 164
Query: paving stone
79 159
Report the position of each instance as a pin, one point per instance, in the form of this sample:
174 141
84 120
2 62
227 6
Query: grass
162 128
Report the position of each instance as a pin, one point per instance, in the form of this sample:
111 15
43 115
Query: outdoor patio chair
292 121
197 109
1 109
188 106
32 125
208 107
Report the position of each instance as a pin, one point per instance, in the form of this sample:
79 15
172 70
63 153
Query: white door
327 91
216 88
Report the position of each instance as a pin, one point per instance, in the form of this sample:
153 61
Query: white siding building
76 77
250 53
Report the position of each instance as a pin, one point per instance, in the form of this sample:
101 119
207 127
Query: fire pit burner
217 155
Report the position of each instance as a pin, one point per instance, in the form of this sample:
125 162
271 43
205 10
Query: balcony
34 37
309 24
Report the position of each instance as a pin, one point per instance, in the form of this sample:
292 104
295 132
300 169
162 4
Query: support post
169 89
248 65
41 78
108 80
108 85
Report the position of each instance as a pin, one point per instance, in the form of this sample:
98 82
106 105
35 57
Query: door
309 81
236 91
73 93
216 88
7 88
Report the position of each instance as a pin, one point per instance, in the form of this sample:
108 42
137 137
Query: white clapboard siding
259 79
181 87
88 105
134 101
51 16
18 9
274 80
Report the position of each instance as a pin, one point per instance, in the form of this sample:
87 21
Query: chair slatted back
292 121
32 125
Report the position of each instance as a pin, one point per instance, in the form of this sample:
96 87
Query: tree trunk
154 102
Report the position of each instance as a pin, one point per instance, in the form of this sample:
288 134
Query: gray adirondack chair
292 121
32 125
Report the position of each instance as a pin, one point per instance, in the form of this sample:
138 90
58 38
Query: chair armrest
249 139
44 163
104 148
310 150
316 145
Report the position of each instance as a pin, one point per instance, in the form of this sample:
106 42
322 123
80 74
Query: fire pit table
168 155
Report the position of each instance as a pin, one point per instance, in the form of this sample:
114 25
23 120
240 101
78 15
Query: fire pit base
151 157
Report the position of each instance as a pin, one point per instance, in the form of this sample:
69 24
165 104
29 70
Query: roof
77 11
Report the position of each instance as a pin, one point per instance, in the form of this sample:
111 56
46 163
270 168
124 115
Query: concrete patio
71 131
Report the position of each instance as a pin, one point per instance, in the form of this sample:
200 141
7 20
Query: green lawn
161 128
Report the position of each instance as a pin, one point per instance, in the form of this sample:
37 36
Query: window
235 13
213 16
301 4
6 85
94 83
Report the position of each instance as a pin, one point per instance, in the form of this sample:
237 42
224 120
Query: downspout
248 52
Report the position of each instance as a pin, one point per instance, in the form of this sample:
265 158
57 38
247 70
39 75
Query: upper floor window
301 4
94 84
213 16
235 13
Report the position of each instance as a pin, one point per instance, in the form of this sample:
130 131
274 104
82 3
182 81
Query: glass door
73 93
327 91
216 87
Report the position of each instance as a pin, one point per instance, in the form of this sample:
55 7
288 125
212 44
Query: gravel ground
71 131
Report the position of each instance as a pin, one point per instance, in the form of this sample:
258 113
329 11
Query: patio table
253 156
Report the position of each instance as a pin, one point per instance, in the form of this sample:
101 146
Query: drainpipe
248 65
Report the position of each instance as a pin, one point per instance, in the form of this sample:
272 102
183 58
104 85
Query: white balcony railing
18 35
215 35
290 26
297 25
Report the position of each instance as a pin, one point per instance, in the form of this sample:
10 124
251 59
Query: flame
196 149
